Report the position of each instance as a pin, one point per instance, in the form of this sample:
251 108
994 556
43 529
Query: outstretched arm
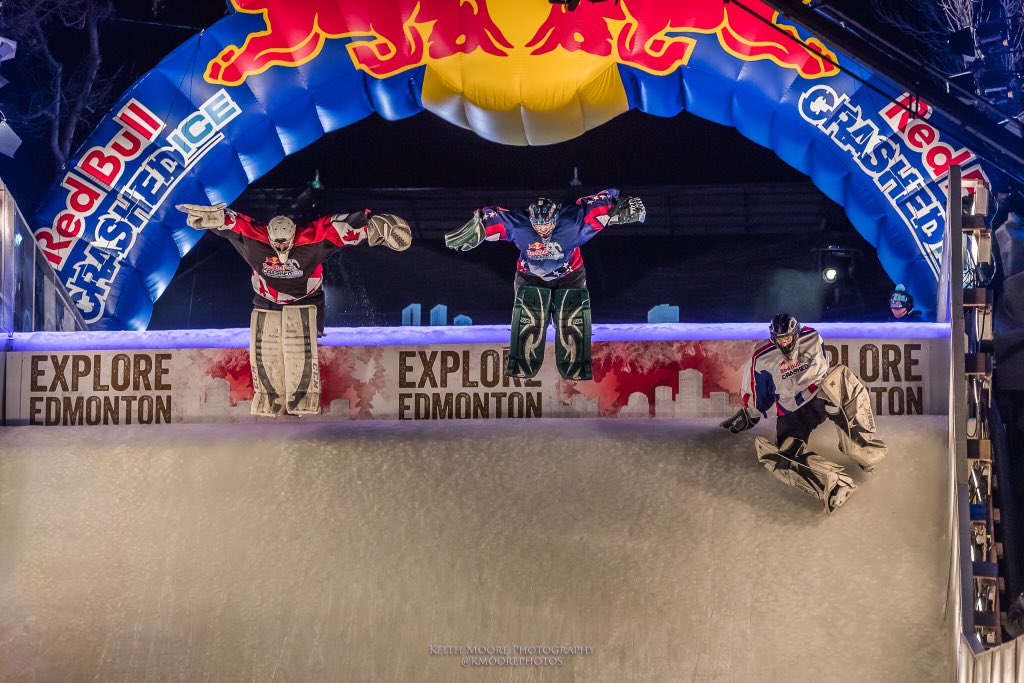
747 416
608 208
341 230
486 225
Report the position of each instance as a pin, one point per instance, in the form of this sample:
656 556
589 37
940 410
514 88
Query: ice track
353 551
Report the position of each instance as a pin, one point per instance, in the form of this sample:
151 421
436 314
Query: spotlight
835 263
993 80
991 33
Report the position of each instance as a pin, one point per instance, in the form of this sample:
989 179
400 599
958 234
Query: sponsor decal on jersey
788 372
545 251
273 267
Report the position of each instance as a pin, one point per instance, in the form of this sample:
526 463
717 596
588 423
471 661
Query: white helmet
281 231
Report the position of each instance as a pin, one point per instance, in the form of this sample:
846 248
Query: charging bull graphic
646 34
396 36
392 37
275 75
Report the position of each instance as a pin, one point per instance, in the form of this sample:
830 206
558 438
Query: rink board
643 371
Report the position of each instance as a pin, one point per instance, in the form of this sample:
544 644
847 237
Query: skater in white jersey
790 371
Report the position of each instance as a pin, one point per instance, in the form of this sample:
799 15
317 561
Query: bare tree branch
59 52
929 24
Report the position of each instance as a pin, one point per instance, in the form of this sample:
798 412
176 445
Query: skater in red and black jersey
287 259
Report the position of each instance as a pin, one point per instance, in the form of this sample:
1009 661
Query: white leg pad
852 415
301 360
267 362
806 471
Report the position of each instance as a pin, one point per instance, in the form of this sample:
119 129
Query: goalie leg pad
529 326
301 360
850 410
571 313
806 471
266 359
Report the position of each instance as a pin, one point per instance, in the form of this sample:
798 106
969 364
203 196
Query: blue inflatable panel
228 105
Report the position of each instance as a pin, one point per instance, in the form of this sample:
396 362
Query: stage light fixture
993 80
962 42
836 263
991 33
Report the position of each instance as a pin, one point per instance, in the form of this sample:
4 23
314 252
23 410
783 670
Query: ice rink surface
376 551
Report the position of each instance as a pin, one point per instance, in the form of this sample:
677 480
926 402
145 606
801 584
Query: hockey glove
468 236
627 210
389 230
741 421
203 217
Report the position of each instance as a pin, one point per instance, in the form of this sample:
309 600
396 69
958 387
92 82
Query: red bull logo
391 36
646 34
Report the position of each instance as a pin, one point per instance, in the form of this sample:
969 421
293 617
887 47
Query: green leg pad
529 324
572 333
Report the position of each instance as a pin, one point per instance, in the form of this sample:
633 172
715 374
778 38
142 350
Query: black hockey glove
627 210
468 236
741 421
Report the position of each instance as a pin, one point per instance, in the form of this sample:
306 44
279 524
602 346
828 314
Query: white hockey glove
627 210
389 230
203 217
741 421
468 236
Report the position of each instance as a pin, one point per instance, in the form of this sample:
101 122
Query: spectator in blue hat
901 307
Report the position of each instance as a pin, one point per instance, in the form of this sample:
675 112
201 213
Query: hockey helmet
542 216
281 232
784 327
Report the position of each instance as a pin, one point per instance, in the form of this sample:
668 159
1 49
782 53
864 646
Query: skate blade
837 499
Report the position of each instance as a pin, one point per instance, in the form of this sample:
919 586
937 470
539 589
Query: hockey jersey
302 273
559 255
772 379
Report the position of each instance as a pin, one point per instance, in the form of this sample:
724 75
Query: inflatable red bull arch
275 75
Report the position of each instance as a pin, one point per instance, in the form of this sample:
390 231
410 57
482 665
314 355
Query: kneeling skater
550 278
791 371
